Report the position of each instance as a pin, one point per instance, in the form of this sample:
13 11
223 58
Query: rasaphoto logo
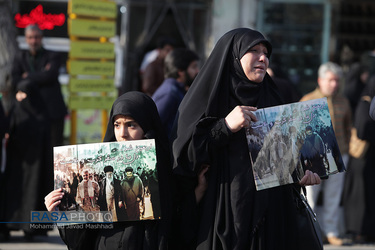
71 217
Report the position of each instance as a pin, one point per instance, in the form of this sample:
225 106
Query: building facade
304 33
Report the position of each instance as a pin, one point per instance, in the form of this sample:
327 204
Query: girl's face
255 63
127 129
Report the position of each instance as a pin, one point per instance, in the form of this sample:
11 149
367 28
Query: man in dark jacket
153 76
41 67
180 70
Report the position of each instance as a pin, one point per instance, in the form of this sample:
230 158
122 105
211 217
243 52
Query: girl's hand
53 199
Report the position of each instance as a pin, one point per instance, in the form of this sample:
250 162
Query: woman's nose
263 57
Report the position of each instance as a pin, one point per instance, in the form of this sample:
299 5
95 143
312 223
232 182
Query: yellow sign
91 102
93 8
91 28
82 67
91 85
91 50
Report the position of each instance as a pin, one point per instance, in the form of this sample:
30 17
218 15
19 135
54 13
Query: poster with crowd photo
119 177
289 139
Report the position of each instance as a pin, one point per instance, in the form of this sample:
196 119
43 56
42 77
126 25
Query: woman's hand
202 183
240 117
53 199
310 178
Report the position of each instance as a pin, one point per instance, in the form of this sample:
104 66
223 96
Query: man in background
41 67
153 75
180 69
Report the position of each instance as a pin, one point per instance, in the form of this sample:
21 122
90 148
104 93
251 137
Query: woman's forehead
261 44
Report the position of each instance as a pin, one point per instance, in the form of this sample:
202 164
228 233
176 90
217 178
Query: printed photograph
289 139
120 177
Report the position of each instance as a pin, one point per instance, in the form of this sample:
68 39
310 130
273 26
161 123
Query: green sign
91 28
91 102
91 85
82 67
93 8
91 50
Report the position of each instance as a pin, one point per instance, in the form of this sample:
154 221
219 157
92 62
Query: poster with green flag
111 176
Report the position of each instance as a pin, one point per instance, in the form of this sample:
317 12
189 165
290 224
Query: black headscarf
143 110
222 84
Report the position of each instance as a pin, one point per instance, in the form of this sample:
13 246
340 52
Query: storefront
306 33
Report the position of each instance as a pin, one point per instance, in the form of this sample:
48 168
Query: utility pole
8 50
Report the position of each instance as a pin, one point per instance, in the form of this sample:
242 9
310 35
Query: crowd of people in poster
116 177
297 137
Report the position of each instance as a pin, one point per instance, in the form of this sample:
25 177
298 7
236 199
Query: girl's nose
124 133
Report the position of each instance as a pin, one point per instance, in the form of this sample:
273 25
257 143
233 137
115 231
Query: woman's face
255 63
127 129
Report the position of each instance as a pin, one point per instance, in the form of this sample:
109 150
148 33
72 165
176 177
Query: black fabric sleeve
185 217
210 134
49 76
17 70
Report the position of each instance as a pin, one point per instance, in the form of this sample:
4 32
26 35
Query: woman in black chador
133 116
359 188
211 130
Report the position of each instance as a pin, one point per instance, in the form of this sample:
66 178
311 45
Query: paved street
18 242
354 247
53 242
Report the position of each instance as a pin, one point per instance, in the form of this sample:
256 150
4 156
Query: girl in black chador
133 116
